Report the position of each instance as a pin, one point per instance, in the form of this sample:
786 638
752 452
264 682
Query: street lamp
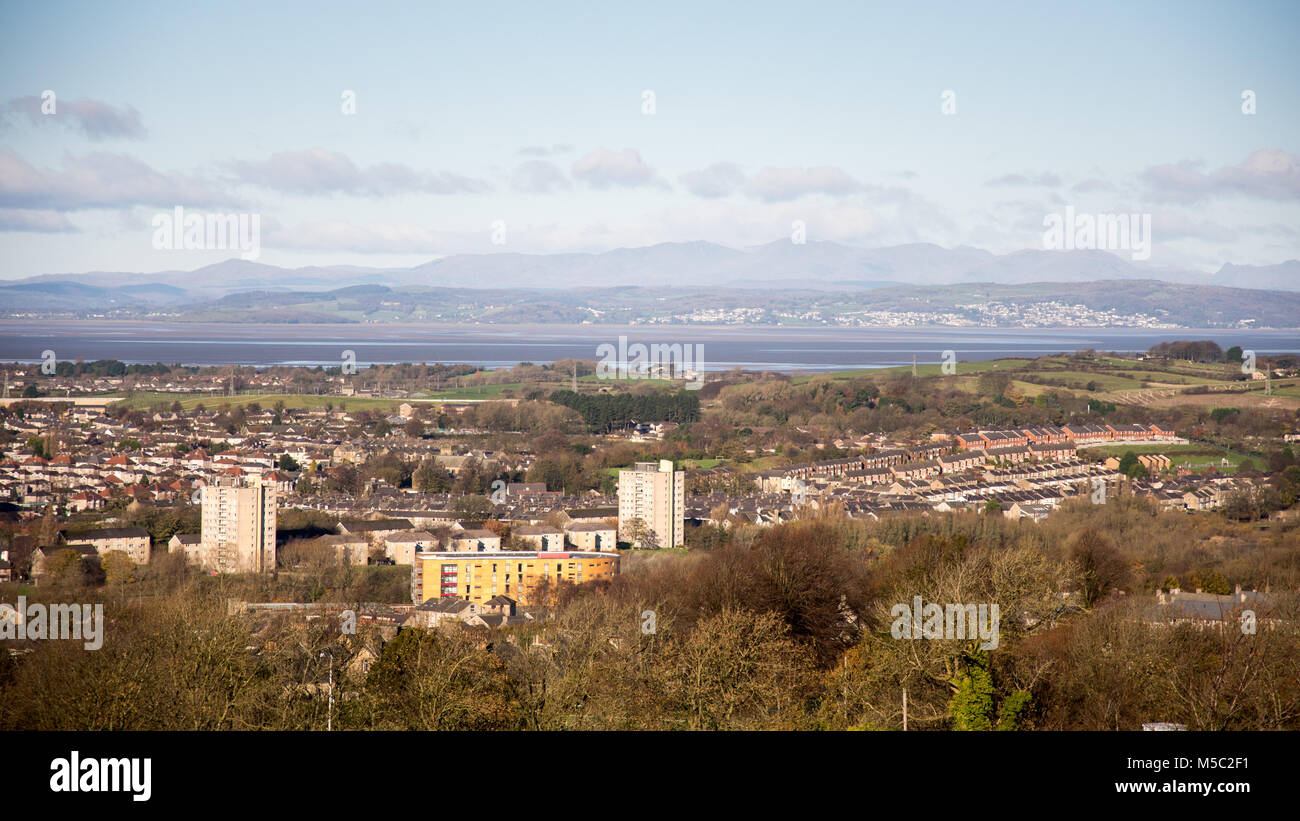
329 715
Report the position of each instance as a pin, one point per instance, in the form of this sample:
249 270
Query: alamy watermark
208 232
1106 232
1098 490
77 774
28 622
946 621
948 364
499 492
658 360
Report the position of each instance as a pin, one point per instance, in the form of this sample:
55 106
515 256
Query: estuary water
494 346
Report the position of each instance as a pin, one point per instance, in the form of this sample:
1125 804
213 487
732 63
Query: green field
1125 379
702 464
297 400
1112 383
1185 379
474 391
1127 375
1105 381
1027 388
267 400
1195 455
592 379
1211 371
932 369
520 388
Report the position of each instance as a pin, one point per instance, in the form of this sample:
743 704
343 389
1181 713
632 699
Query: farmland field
1194 455
267 400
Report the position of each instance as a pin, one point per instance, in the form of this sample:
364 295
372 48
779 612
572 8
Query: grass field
1126 379
595 379
1287 389
474 392
1182 380
1194 455
702 464
1030 389
1248 399
921 370
1105 381
1141 383
1134 374
296 400
762 463
1211 372
970 384
267 400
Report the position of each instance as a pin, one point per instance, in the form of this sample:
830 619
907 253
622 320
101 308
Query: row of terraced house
1077 434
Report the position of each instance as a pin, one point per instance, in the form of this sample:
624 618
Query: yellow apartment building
478 577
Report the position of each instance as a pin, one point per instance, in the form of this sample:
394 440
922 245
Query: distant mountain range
1282 277
815 282
820 265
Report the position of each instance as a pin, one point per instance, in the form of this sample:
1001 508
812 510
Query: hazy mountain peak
777 264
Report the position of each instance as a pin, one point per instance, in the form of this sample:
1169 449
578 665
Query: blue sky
531 115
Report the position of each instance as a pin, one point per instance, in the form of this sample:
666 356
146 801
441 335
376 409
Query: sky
583 127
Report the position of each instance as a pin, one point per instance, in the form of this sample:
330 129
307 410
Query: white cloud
604 169
317 172
1268 173
96 120
100 180
545 151
539 177
1090 185
784 184
1044 180
717 180
1169 225
40 222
